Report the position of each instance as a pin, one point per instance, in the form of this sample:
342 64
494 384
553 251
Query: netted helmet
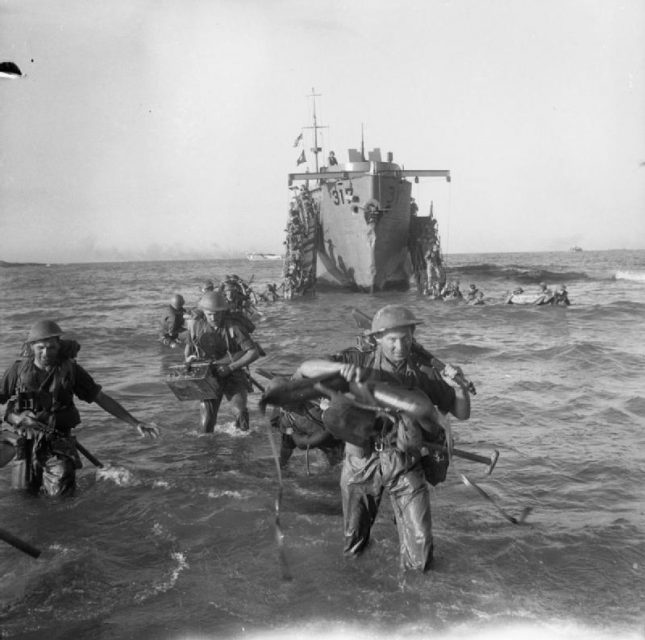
392 316
44 329
209 285
213 301
177 301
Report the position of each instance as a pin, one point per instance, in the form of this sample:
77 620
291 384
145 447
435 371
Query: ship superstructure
356 225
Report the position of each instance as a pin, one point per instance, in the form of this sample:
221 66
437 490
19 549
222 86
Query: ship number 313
340 195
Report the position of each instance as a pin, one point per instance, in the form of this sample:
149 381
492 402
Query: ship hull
363 233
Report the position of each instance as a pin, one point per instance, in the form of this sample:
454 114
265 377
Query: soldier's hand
149 430
452 373
223 370
25 422
352 372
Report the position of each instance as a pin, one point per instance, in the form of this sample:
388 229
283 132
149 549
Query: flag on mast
298 140
301 157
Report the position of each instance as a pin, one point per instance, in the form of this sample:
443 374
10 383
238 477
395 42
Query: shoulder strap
22 372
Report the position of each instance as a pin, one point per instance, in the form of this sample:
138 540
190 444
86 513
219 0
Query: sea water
176 538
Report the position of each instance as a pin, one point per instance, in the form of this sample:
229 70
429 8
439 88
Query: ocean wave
634 276
180 563
520 273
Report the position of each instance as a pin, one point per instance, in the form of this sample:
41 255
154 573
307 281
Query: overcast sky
165 128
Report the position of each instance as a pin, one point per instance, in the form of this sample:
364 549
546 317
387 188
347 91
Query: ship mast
315 149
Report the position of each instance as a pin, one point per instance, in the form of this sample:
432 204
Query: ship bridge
358 165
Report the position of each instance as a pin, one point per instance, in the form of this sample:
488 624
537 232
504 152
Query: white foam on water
556 630
636 276
227 493
165 585
228 428
120 476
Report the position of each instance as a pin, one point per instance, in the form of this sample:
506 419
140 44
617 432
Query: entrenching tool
490 461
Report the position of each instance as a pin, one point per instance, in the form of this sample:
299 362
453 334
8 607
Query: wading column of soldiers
380 406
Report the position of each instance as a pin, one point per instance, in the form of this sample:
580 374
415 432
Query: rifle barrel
90 456
25 547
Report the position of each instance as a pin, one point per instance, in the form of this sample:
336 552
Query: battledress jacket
218 343
50 394
172 324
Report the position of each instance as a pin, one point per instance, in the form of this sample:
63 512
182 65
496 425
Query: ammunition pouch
36 401
435 463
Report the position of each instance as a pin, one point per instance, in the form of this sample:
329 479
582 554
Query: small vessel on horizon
356 225
263 256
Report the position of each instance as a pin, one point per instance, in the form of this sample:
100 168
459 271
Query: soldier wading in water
392 458
219 337
39 392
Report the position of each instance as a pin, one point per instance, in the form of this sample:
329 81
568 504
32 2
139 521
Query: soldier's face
396 343
214 317
45 352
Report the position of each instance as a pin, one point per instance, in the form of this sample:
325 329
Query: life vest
360 427
51 400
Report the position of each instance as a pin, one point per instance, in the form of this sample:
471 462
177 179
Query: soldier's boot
242 420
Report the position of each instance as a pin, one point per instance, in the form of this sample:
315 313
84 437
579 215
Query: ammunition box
194 381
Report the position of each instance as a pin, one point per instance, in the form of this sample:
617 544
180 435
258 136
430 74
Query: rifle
363 321
25 547
32 423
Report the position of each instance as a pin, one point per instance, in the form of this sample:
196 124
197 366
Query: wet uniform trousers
362 483
367 473
235 388
46 463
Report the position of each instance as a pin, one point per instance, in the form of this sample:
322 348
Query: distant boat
575 249
263 256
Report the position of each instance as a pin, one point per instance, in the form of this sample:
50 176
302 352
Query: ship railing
347 175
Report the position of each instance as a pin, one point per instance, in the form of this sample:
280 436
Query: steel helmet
213 301
177 301
44 329
392 316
